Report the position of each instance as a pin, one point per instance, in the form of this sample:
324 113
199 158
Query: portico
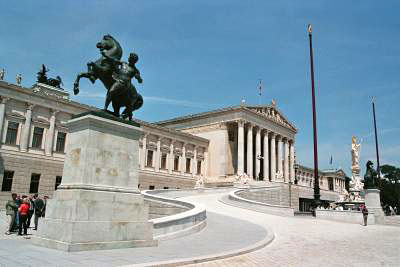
254 140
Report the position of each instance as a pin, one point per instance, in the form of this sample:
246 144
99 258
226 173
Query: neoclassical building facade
216 145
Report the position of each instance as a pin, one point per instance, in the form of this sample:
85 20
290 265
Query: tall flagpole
316 178
378 166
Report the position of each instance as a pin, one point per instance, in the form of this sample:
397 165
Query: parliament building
216 145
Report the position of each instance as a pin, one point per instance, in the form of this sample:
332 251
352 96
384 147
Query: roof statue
116 76
42 78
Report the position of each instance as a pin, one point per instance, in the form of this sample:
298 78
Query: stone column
286 161
2 114
273 157
250 151
240 147
158 155
50 134
292 174
143 154
205 163
27 129
279 153
266 157
194 163
183 159
171 157
258 153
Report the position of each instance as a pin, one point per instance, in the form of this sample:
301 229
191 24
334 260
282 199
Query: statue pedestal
98 204
373 203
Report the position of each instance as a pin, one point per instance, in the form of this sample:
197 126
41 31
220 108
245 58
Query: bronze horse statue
106 69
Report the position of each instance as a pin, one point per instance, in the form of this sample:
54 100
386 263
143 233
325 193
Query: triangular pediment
272 113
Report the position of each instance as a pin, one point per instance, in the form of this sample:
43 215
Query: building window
34 187
164 161
188 161
37 137
12 131
149 162
176 163
58 181
166 187
60 144
151 187
199 167
7 181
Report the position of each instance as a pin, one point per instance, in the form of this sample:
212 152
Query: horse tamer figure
370 177
116 77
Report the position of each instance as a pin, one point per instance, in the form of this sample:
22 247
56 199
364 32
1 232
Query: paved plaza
231 231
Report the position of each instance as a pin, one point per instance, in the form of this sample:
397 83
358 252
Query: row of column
171 158
272 156
26 130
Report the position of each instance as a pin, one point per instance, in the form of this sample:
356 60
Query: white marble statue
355 153
200 182
279 175
19 79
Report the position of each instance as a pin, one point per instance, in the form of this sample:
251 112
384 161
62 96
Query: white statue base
98 204
373 203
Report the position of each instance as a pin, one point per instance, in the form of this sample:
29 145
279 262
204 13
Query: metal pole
378 166
316 178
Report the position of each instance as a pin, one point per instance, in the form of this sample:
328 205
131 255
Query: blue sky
201 55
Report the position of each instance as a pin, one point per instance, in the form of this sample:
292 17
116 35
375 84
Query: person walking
39 205
31 211
11 212
23 216
364 211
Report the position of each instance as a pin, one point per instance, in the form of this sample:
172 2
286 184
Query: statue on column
355 153
355 183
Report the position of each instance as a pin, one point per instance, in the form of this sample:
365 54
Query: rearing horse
102 68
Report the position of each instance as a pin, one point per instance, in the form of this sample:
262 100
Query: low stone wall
180 224
269 195
240 199
344 216
158 209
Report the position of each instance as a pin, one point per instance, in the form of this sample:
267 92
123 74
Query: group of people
19 212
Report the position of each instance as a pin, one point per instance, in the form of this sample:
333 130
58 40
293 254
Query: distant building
218 145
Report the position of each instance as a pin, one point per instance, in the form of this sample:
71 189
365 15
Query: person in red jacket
23 213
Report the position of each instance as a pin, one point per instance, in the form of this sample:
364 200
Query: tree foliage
389 186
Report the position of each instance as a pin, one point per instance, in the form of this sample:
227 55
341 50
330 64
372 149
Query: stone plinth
98 204
373 203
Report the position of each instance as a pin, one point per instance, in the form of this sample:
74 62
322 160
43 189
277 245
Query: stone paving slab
312 242
215 238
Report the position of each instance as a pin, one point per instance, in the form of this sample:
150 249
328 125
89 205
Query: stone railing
347 216
173 223
245 198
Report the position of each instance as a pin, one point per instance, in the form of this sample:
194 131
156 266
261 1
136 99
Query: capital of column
30 106
53 112
4 99
272 134
240 122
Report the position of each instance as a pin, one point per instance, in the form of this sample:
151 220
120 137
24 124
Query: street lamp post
316 178
378 166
